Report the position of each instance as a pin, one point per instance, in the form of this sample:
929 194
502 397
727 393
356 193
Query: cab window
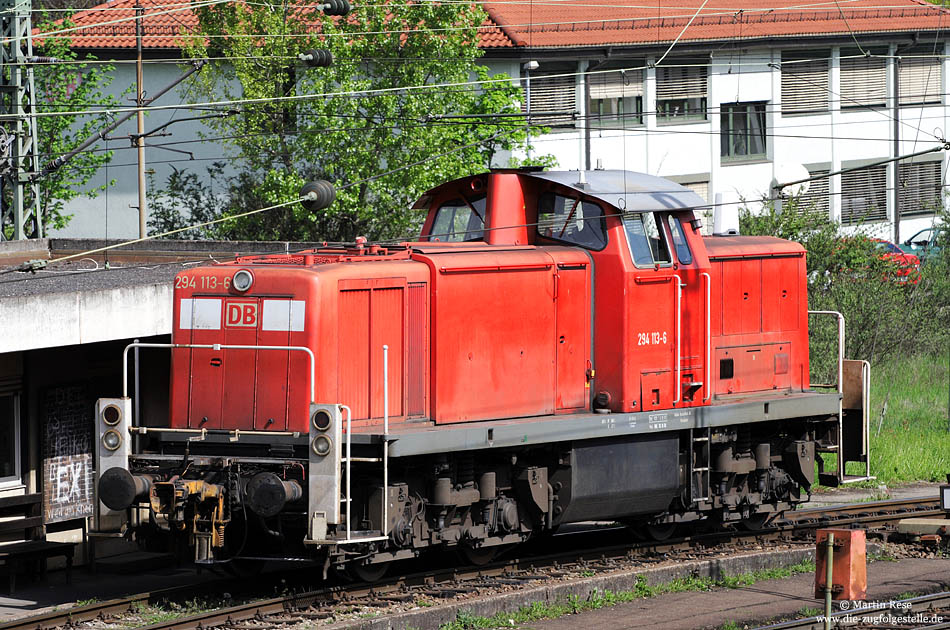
459 220
679 241
571 221
647 242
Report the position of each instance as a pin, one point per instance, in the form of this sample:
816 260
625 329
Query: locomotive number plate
654 338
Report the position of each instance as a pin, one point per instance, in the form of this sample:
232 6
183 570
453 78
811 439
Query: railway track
928 612
447 583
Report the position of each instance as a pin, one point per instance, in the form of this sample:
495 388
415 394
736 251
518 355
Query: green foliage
910 437
847 273
381 150
68 87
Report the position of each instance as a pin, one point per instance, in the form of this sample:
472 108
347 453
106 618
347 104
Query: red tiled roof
111 24
575 23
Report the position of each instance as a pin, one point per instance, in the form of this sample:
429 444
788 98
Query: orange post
848 564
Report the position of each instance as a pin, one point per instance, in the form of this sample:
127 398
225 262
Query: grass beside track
601 599
912 443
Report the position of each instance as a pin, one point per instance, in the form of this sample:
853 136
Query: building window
864 195
921 187
816 202
9 440
863 79
552 97
681 91
742 131
616 99
920 76
805 82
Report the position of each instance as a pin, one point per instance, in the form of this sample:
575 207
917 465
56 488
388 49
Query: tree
377 144
68 85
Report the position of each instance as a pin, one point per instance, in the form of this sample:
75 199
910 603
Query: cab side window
459 220
572 221
679 241
647 240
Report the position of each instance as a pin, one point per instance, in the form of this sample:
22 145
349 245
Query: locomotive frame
592 391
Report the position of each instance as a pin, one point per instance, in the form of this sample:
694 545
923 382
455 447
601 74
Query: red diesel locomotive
556 347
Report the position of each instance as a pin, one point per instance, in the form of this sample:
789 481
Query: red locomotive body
556 347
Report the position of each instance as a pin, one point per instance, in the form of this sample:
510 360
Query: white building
726 99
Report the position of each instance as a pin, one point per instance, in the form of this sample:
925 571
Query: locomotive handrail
840 384
215 346
349 501
708 370
679 322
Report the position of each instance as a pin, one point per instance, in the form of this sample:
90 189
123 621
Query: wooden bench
24 514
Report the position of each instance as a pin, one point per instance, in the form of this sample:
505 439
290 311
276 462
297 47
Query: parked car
907 265
926 243
853 256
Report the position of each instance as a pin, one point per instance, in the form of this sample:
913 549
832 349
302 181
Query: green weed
536 611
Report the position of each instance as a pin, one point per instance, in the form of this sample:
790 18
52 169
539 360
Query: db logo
241 314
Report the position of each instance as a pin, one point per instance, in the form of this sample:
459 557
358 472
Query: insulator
317 195
317 58
337 7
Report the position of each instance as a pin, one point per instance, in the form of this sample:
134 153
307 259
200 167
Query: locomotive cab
555 347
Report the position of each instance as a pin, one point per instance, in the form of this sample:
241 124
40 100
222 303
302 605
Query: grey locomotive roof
627 190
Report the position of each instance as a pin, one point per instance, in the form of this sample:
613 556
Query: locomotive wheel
480 556
755 522
653 532
368 572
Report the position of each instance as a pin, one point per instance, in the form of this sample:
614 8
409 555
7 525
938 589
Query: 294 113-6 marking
205 282
653 338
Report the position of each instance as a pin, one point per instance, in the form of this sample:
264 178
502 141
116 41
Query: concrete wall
48 320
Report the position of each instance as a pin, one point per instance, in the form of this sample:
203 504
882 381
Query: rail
215 346
454 578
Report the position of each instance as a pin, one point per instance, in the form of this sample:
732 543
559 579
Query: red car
907 266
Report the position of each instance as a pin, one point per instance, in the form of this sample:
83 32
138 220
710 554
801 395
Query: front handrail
214 346
708 372
840 384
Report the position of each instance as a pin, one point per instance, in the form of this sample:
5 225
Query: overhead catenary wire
824 4
361 93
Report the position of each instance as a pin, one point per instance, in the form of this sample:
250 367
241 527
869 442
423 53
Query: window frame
664 240
580 201
908 170
918 61
467 203
862 80
15 480
666 97
675 226
801 95
864 180
727 112
618 120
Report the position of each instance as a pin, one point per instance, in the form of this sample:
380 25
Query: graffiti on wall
68 469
